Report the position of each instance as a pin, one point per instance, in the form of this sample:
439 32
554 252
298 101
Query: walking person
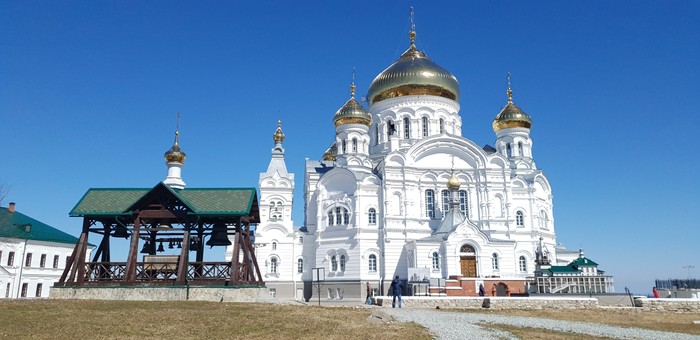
397 288
369 294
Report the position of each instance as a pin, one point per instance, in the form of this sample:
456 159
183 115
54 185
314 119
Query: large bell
146 248
120 231
219 236
160 247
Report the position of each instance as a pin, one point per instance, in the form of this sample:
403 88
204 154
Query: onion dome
352 112
511 116
278 137
453 182
175 154
413 74
330 153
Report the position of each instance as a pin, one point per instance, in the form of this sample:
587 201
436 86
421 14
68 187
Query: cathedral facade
400 192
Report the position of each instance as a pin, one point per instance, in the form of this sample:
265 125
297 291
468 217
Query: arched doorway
467 261
502 289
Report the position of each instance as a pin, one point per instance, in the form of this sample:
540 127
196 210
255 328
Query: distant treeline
678 283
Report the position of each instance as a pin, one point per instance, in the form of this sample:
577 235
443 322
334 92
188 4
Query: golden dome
453 182
278 137
352 112
511 116
413 74
330 153
175 154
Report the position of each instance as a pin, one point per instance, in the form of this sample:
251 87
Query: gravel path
460 325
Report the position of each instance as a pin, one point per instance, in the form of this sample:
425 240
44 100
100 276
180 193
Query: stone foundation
669 305
493 302
217 294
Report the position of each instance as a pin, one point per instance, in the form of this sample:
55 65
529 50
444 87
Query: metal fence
678 284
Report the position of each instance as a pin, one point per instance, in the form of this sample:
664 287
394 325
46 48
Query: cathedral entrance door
468 266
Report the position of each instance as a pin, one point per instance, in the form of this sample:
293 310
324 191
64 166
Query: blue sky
89 92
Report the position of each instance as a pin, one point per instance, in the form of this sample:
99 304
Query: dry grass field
669 322
65 319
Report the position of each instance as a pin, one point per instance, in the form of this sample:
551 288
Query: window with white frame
436 260
342 263
300 240
300 266
274 245
338 216
344 146
494 261
463 203
376 134
430 203
39 286
508 151
354 145
390 129
372 216
406 128
442 126
25 287
543 219
372 263
522 264
55 261
445 201
519 219
11 258
42 262
425 126
273 265
520 149
334 263
28 260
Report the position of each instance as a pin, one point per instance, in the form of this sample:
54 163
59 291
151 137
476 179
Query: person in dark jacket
397 288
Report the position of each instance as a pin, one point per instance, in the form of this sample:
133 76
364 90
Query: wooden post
83 251
235 268
183 263
130 274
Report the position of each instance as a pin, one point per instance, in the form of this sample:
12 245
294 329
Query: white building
400 192
32 255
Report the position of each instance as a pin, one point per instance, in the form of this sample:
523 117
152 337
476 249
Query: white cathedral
401 192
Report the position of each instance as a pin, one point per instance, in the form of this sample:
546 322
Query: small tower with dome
352 123
174 160
512 127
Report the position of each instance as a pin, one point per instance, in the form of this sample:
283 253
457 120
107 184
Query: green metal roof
583 262
201 201
99 202
13 225
563 269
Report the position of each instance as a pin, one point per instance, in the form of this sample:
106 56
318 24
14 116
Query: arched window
436 260
334 263
372 263
406 128
463 203
338 216
346 216
442 126
508 151
376 134
430 203
390 129
522 264
520 149
445 201
273 265
342 263
494 261
544 220
300 266
274 245
467 249
372 216
425 126
301 240
330 217
344 146
354 145
519 219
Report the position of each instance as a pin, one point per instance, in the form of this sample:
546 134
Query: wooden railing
157 273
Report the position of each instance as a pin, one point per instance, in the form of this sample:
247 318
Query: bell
120 231
160 247
170 245
146 248
179 245
219 236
